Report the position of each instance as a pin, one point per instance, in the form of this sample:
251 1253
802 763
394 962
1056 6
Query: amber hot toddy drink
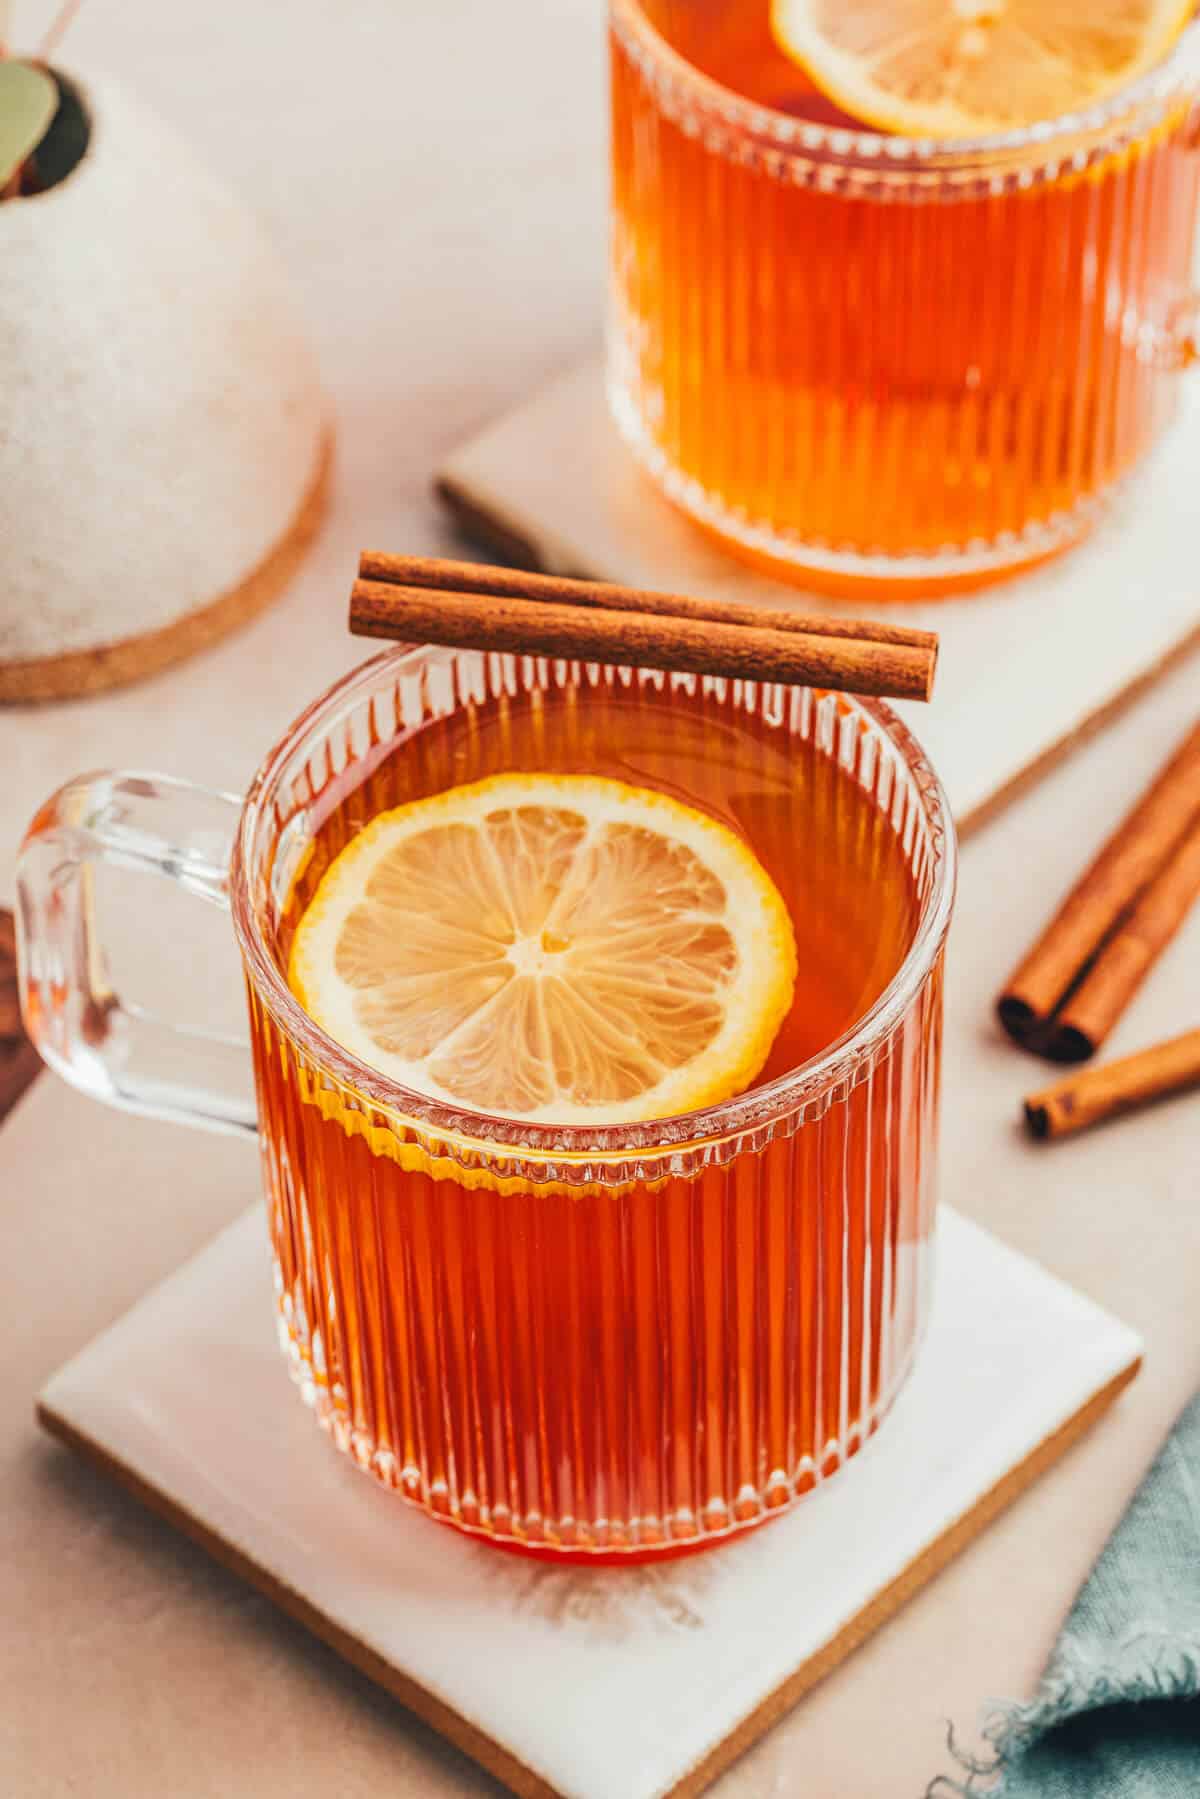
579 1338
878 357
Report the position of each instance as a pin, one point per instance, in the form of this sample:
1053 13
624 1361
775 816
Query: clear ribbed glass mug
601 1341
871 360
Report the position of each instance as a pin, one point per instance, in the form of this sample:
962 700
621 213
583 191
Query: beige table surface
449 254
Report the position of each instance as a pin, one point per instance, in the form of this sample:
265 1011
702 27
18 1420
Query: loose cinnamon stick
516 623
1116 1087
1094 1006
440 573
1149 836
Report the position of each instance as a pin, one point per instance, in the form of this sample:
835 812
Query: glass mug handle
108 1047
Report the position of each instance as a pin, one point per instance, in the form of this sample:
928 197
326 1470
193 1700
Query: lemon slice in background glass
966 68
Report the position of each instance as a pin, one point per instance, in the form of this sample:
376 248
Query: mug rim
497 1135
883 150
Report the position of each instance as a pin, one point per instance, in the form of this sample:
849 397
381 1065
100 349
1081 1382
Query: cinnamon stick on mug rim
1105 908
506 609
443 573
1114 1088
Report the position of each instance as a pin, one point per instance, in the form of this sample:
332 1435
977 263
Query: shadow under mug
876 360
611 1341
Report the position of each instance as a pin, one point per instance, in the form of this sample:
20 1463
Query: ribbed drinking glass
875 360
596 1341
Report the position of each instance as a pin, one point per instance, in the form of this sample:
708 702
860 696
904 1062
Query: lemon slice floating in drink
554 947
965 68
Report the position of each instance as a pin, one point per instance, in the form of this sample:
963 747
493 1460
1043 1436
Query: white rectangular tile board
589 1684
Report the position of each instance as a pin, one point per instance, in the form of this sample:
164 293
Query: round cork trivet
133 658
161 412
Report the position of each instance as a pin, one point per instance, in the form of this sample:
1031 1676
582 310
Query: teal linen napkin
1116 1715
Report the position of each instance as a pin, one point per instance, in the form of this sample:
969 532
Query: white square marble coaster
1026 667
587 1684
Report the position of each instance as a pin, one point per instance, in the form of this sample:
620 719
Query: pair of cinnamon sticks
427 599
1064 998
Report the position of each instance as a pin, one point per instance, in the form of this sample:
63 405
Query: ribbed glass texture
877 360
600 1342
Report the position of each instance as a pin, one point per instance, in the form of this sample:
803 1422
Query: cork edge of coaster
493 1756
956 1537
415 1698
1091 725
497 533
79 673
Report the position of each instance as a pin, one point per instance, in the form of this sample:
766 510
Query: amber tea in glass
875 360
592 1341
